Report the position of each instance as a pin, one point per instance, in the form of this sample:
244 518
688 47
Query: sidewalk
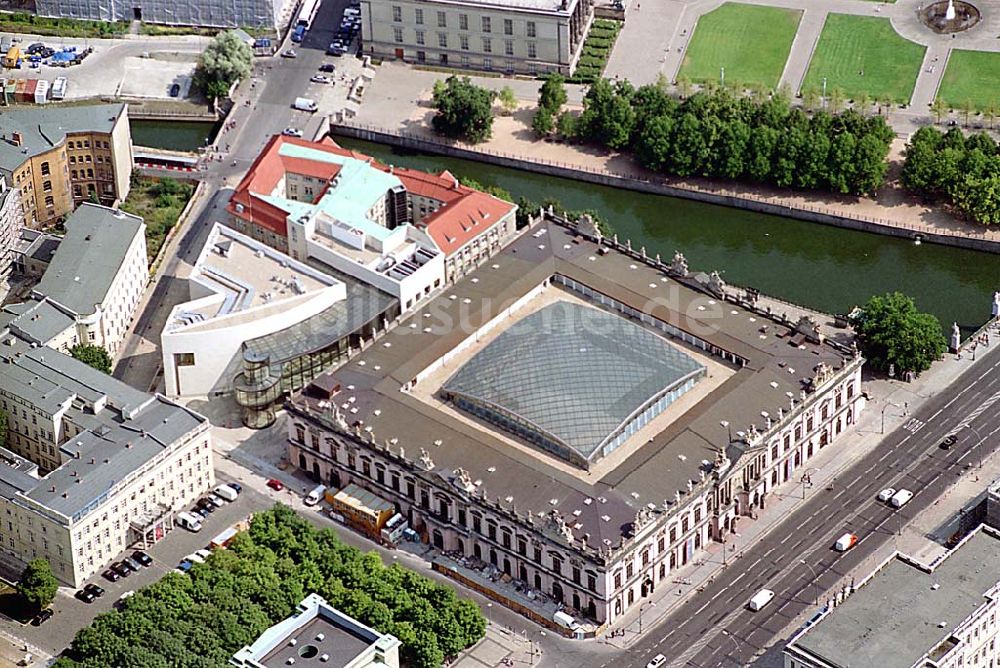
823 468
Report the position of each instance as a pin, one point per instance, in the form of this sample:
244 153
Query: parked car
275 485
320 79
124 597
84 595
132 563
289 53
142 558
215 500
95 589
110 575
42 617
121 568
226 492
203 553
292 132
201 512
327 67
185 565
886 494
900 498
948 441
37 47
205 504
236 486
175 90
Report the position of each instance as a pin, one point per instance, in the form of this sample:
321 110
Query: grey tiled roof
89 257
42 128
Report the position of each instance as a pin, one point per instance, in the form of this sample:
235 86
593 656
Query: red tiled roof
465 212
456 224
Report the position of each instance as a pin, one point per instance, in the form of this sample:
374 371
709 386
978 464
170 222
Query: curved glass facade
574 380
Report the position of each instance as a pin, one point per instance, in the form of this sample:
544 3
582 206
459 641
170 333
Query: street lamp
729 430
886 407
531 640
736 643
815 577
806 478
489 613
978 444
722 76
824 92
647 603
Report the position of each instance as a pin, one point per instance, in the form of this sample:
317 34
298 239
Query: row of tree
199 620
715 133
961 171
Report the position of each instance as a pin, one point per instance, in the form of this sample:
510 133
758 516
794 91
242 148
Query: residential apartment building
499 489
93 465
530 37
907 614
402 231
11 225
319 634
60 157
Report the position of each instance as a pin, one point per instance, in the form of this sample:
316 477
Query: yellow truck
13 57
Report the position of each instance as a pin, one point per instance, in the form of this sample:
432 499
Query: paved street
797 561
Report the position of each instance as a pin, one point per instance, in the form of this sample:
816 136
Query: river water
172 135
823 267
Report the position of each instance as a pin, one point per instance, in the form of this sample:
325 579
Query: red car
275 485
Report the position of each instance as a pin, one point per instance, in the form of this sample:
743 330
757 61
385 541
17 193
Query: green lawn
971 75
750 41
863 54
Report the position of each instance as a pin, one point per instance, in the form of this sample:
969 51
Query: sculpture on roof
425 460
679 264
716 285
807 326
463 481
559 524
586 226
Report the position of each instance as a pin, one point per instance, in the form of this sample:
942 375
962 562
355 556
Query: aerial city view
496 333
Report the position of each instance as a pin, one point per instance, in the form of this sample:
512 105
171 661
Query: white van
900 498
760 599
315 495
188 521
845 542
226 492
305 104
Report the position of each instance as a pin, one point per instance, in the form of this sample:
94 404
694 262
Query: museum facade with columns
580 418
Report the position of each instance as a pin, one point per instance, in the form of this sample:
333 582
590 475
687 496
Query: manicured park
751 42
863 55
971 76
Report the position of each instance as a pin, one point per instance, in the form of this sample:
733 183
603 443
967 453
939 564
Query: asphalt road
797 560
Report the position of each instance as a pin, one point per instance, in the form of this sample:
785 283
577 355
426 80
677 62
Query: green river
827 268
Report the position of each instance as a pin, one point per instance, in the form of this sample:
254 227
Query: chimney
16 138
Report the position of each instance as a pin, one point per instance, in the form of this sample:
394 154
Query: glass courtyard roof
572 376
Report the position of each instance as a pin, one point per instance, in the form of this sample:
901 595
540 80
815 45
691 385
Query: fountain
951 16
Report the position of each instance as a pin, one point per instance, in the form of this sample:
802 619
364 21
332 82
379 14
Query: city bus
308 13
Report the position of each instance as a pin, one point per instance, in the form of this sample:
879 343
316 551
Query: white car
320 79
657 661
292 132
289 53
886 494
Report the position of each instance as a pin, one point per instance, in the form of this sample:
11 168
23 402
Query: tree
543 123
224 61
508 101
37 585
836 100
566 125
892 332
811 99
990 113
552 94
95 356
968 108
939 108
863 104
684 87
464 110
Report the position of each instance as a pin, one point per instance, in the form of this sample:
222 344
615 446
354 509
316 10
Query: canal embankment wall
740 200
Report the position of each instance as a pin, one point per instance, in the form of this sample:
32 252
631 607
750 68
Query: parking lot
71 614
143 67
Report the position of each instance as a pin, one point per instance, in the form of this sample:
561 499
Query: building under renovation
211 13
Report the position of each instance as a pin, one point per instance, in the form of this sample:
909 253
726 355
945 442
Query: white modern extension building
241 289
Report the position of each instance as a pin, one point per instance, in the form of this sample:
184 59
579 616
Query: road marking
913 425
787 538
768 552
